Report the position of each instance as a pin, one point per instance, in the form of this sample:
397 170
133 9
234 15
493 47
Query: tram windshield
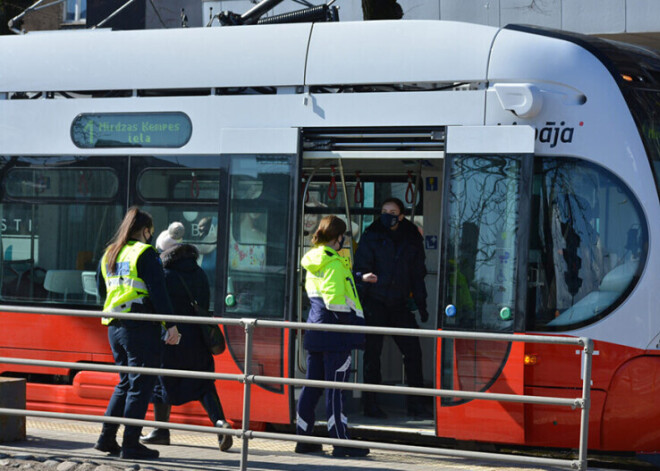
645 107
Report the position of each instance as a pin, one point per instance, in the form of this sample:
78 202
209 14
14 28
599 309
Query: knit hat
169 238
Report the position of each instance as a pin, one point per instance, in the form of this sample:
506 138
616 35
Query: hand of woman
370 278
173 336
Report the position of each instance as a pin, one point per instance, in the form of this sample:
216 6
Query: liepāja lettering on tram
530 158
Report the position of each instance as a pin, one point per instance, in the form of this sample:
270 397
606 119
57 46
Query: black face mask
389 220
150 239
340 242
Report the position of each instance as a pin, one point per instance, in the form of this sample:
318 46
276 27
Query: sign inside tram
99 130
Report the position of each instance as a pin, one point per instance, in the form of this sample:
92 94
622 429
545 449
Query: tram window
645 106
58 214
364 203
481 232
178 184
61 183
200 228
183 189
257 245
588 244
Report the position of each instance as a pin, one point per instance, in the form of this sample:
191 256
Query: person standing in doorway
334 300
130 279
389 266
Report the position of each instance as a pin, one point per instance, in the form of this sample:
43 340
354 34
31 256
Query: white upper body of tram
479 82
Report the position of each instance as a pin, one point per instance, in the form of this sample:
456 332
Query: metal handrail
248 379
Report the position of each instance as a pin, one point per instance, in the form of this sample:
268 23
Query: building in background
636 21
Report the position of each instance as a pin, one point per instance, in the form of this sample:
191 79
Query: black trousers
381 314
133 344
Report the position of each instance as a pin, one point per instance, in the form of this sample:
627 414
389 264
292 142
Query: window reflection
587 243
482 225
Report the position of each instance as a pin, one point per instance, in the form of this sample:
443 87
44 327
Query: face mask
150 239
389 220
340 242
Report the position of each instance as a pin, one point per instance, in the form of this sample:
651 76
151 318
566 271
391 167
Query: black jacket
180 264
397 258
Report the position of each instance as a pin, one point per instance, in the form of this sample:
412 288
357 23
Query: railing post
248 324
586 403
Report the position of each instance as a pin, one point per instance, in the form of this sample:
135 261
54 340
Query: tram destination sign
100 130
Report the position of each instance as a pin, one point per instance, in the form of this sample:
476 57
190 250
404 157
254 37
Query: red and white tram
530 157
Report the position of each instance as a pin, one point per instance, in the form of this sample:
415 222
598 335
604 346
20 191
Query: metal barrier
248 379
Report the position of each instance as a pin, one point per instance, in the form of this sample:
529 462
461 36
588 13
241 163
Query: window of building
75 11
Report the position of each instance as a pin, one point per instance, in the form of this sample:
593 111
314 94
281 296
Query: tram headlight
530 359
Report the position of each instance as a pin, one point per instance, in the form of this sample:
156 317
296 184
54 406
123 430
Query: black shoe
308 447
138 452
108 445
158 436
372 410
346 451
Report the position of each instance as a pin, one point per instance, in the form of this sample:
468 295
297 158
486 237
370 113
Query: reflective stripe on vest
135 284
124 287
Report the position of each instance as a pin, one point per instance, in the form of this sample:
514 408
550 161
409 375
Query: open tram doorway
349 174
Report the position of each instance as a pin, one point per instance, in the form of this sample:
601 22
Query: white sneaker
224 441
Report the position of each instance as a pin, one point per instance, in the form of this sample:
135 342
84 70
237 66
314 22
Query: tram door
352 184
256 236
482 288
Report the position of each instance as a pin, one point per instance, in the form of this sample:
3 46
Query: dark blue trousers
133 344
328 366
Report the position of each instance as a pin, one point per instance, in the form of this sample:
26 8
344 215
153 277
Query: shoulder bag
211 333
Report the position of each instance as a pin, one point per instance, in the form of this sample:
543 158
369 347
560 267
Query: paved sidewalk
68 447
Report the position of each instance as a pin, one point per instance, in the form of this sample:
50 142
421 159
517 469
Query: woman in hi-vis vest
334 300
130 279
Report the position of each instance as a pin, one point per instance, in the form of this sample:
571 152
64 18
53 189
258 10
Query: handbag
212 334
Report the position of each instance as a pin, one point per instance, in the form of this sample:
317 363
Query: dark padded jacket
398 261
180 264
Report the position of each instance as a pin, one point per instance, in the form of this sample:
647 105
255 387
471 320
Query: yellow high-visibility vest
124 287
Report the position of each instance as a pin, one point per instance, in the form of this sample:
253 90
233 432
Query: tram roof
246 56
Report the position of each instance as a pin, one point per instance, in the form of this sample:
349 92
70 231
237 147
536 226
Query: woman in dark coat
180 265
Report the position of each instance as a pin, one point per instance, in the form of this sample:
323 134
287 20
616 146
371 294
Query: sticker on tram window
131 130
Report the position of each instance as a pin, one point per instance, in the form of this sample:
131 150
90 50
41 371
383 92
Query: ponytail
134 221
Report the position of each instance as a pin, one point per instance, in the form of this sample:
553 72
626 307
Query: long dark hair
134 221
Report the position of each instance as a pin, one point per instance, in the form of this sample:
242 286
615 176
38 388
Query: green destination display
131 130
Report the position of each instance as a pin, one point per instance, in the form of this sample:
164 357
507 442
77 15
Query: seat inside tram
354 190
